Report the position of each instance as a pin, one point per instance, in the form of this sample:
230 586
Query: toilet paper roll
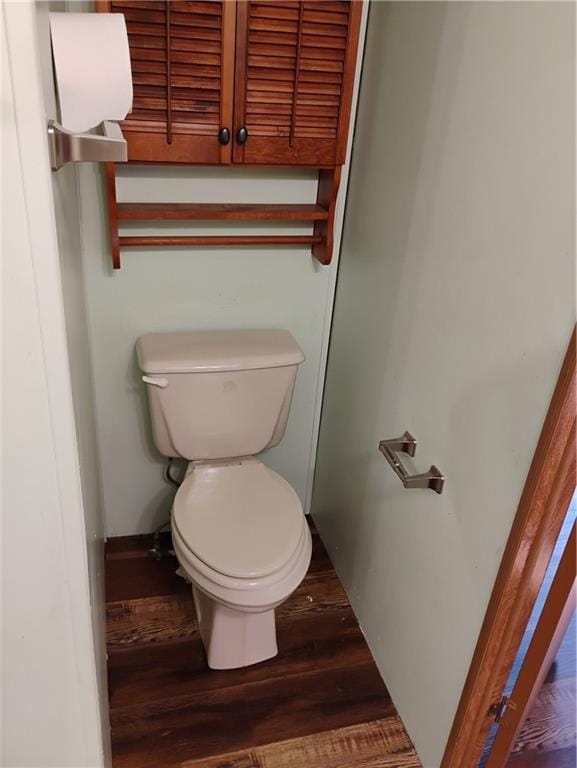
92 67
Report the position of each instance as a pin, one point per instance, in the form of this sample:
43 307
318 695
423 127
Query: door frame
72 687
540 514
546 640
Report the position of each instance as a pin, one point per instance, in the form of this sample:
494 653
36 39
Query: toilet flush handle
157 382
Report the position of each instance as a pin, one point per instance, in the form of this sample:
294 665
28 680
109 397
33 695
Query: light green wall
454 305
184 289
193 289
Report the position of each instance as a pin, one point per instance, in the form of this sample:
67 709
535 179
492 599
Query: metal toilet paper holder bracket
107 144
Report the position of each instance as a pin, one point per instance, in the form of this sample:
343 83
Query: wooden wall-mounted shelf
239 83
321 215
176 240
219 212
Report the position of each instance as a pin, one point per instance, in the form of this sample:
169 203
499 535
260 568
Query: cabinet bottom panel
184 148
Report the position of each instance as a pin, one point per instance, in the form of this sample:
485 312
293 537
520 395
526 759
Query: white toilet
217 398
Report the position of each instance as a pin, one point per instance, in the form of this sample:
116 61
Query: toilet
217 399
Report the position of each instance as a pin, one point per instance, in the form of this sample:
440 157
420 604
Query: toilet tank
218 394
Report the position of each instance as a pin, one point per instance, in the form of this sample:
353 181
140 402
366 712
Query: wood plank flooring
320 703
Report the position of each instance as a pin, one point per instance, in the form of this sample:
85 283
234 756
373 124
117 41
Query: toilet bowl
218 398
240 536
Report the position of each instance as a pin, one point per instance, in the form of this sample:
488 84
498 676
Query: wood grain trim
240 79
540 513
216 240
327 198
296 77
220 212
227 83
555 617
353 34
168 75
110 170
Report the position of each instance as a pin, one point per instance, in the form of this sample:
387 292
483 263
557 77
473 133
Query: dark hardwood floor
320 703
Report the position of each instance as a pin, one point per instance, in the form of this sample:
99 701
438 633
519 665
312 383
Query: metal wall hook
66 147
433 479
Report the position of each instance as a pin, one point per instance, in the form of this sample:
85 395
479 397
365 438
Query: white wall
189 289
53 664
454 306
67 216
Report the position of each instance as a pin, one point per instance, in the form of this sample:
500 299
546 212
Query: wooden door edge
555 617
535 528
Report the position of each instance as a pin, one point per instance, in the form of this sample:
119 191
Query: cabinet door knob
224 136
242 135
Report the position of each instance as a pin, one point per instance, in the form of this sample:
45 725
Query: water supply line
157 551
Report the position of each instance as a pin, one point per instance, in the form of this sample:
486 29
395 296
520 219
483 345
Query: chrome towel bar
432 479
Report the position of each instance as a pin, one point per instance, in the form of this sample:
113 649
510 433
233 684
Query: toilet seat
242 520
244 594
201 509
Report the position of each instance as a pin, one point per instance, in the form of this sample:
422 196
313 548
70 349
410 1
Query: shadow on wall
159 505
138 388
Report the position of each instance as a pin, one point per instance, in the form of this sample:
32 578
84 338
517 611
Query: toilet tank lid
206 351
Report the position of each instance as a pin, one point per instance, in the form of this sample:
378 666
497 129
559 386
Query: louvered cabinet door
182 57
295 68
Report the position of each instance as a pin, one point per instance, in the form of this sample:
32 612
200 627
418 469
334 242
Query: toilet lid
242 520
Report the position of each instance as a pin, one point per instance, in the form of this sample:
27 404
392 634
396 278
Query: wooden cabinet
209 73
238 82
295 65
182 55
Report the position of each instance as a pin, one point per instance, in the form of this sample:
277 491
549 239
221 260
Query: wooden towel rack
238 83
321 214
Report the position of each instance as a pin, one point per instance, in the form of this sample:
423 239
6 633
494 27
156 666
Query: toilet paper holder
108 145
433 479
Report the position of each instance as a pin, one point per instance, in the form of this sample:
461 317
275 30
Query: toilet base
232 638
